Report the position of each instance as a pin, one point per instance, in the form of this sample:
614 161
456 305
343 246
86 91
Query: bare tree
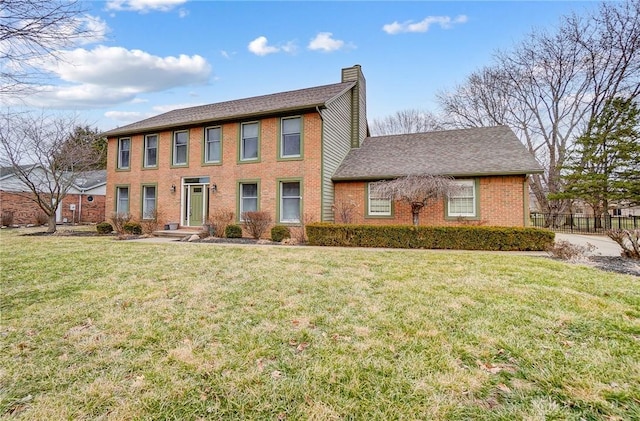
40 151
416 190
551 85
31 30
405 121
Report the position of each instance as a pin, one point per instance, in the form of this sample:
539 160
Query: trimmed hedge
452 238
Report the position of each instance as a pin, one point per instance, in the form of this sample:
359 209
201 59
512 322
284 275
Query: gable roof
308 98
85 180
466 152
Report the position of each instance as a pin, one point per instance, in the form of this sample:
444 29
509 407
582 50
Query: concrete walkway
604 246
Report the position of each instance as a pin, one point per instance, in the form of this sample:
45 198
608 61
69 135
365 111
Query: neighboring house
84 202
297 154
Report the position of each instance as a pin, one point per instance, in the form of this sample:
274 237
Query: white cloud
110 75
260 47
324 42
144 6
126 117
96 28
119 68
445 22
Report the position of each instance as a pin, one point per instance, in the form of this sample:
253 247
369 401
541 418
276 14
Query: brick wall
25 210
225 175
502 203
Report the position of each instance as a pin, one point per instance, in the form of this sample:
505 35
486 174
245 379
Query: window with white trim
212 144
180 147
249 142
148 202
122 200
290 201
124 150
463 201
377 205
248 197
151 150
290 145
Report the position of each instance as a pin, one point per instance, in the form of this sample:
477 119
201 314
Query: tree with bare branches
41 153
32 30
551 85
404 122
416 190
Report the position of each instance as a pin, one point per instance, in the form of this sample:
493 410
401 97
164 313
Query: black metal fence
583 224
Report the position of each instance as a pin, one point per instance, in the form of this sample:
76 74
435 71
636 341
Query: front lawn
94 328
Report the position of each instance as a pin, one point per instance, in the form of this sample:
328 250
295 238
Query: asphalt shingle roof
241 108
465 152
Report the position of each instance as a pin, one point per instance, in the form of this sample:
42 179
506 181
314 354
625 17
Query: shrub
104 228
233 231
7 218
256 223
408 236
629 240
42 218
152 223
567 251
132 227
279 233
118 220
299 233
219 222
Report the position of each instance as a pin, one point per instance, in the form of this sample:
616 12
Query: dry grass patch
96 328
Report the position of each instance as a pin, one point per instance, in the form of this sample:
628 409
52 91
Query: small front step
179 233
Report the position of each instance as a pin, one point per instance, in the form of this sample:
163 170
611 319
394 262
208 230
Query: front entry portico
195 199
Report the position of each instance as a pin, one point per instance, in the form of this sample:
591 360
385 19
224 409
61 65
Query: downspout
80 206
319 113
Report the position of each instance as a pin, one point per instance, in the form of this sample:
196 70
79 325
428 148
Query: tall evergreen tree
604 165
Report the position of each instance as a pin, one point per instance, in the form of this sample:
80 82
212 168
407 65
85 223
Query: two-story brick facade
287 154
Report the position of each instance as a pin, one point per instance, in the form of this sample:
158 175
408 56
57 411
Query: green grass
94 328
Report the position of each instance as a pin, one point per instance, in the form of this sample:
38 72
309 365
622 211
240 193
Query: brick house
83 203
296 155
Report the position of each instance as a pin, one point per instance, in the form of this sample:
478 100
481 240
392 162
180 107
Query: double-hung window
377 205
180 147
148 202
122 200
463 201
151 151
290 142
212 142
248 197
290 201
124 150
249 142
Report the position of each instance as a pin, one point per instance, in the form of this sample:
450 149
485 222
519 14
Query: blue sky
151 56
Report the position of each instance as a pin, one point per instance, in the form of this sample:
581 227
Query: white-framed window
463 201
248 198
122 200
124 151
290 142
249 141
148 202
151 150
290 201
180 147
212 143
376 204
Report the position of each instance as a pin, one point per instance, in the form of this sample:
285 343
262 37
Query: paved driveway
604 246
